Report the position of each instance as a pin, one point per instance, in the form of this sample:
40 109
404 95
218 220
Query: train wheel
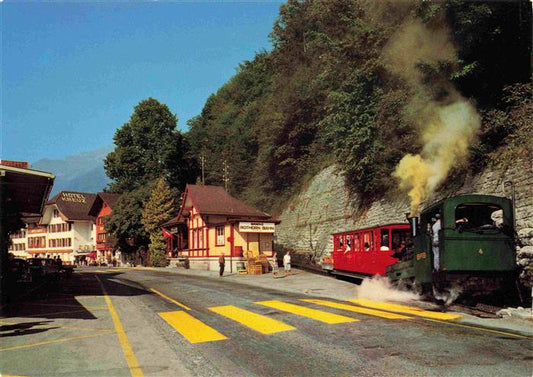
404 285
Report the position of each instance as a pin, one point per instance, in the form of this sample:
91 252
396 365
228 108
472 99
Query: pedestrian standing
435 241
287 262
275 269
221 263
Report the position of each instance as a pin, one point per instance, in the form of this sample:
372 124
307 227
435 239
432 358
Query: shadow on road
52 299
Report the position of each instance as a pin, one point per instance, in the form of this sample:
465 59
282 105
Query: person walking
287 263
275 269
221 263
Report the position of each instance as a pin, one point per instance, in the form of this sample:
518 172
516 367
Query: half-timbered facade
217 223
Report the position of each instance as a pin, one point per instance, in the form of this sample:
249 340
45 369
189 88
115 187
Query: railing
202 252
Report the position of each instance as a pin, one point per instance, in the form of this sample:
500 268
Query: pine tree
160 207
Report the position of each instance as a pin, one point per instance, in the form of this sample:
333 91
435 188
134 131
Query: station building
211 222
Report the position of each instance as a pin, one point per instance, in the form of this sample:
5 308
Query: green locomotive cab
474 246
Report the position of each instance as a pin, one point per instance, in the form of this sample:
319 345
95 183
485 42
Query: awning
90 254
27 189
82 252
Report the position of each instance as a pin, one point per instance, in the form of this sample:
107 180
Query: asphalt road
122 322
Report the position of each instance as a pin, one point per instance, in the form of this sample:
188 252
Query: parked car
44 268
19 270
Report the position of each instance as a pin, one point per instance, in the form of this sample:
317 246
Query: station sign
256 227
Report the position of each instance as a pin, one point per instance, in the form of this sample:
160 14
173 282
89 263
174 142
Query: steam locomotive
475 245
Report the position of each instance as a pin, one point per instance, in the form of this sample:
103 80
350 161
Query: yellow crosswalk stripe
255 321
405 309
194 330
318 315
357 309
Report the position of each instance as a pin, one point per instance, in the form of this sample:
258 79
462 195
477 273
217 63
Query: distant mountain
81 172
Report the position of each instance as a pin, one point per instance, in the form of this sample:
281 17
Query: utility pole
202 159
225 176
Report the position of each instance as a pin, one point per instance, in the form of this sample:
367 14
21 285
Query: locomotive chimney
413 224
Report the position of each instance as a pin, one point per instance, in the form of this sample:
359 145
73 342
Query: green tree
125 223
158 209
147 147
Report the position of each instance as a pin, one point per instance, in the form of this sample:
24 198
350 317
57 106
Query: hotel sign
38 229
73 197
253 227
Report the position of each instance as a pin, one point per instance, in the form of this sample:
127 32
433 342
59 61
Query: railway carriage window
368 239
338 243
356 244
348 244
384 240
478 217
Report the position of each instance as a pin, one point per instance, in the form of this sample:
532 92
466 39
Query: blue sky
73 71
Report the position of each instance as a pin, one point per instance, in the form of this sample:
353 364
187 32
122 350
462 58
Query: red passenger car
369 251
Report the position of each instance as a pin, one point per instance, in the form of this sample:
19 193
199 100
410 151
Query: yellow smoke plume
447 137
446 121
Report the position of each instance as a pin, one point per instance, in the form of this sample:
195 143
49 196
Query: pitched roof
214 200
109 198
74 205
103 197
174 221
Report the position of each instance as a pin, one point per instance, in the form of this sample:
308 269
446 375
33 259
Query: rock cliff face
324 207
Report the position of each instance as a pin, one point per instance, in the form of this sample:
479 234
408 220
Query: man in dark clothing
221 263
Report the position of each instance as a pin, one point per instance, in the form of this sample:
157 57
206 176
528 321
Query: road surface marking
56 341
170 299
133 363
257 322
318 315
357 309
406 309
194 330
101 271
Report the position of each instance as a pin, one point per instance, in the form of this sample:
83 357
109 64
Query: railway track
479 310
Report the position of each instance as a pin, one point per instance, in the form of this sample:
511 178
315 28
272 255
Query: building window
220 235
17 247
36 242
55 213
60 242
63 227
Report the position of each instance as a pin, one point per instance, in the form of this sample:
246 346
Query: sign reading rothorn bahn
256 227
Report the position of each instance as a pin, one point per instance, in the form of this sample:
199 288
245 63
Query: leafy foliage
160 207
125 223
148 147
323 94
506 134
